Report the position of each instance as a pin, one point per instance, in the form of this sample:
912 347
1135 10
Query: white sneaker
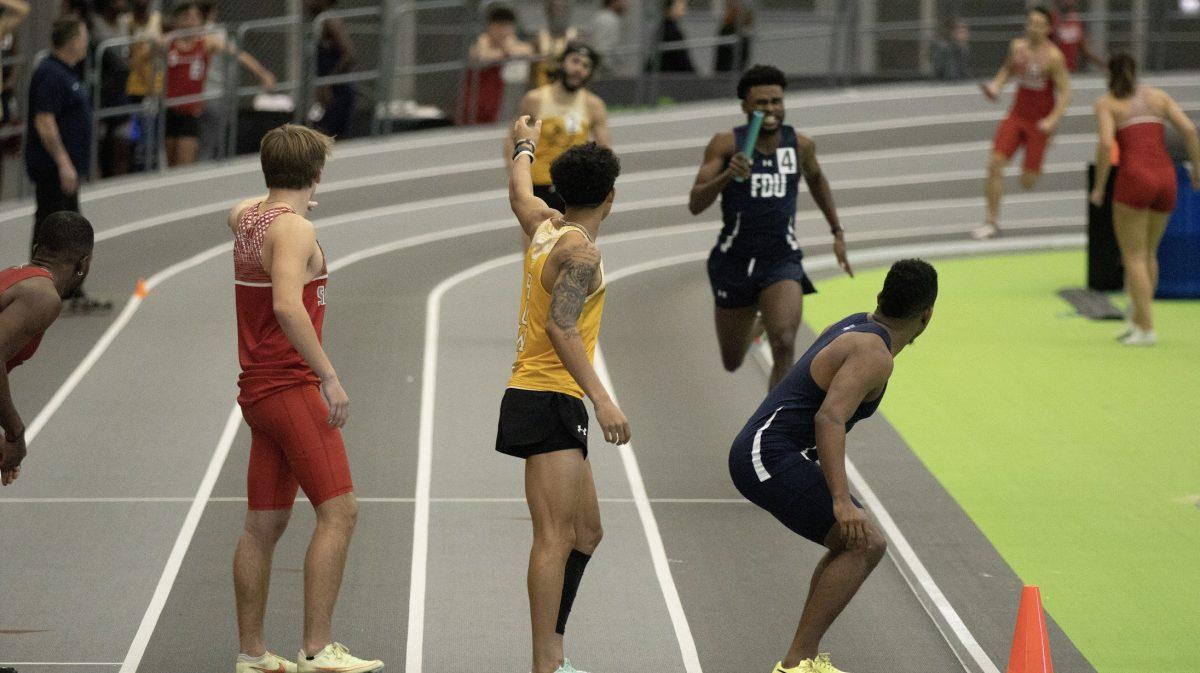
987 231
1139 337
335 658
568 668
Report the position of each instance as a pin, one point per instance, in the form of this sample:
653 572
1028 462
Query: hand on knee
875 548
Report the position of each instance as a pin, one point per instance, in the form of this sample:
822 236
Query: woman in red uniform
1132 115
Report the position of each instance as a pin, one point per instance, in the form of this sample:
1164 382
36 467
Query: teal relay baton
751 138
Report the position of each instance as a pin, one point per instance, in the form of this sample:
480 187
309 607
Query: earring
78 273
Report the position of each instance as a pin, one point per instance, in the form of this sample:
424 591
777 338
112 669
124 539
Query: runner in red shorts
294 404
1144 194
30 301
1035 63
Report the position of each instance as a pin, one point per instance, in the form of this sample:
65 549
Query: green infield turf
1079 458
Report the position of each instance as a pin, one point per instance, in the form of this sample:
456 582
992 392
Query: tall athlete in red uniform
30 301
294 404
1144 194
1036 64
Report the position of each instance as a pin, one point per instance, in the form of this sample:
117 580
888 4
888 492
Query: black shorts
737 281
182 125
550 195
795 493
536 421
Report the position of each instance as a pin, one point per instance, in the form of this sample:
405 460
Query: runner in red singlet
1132 115
1070 36
30 301
1043 93
293 402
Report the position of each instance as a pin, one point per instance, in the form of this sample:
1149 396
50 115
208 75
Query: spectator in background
552 41
605 36
144 80
58 148
12 14
335 56
484 90
188 64
1069 33
951 53
112 21
739 20
672 60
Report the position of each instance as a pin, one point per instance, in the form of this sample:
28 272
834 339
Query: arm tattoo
571 289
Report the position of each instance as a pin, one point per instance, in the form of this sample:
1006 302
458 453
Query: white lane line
137 649
658 550
414 648
60 663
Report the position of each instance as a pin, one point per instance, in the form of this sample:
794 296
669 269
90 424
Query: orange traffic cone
1031 645
141 291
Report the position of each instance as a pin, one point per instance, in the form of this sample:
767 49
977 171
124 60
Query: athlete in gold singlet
570 115
542 417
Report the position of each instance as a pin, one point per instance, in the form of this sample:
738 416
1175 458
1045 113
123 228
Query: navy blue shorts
737 281
796 492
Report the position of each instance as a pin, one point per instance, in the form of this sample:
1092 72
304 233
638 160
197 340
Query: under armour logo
582 430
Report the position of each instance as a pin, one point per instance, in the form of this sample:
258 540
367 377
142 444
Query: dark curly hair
65 233
911 287
585 174
760 75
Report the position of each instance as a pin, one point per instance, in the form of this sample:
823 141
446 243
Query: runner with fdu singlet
294 404
1043 93
30 301
756 265
1144 194
790 458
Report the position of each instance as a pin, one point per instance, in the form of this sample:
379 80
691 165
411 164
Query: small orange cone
140 291
1031 644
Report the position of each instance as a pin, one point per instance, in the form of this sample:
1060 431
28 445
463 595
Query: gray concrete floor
88 530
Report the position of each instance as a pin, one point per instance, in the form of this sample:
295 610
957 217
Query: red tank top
1141 138
9 277
1035 91
1068 36
269 361
187 68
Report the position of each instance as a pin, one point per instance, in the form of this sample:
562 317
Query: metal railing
900 49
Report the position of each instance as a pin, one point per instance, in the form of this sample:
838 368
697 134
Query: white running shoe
267 663
568 668
1139 337
335 658
986 232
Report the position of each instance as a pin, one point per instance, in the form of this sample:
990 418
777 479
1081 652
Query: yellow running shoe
822 665
267 663
335 658
805 666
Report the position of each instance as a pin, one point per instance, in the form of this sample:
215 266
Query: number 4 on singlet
786 158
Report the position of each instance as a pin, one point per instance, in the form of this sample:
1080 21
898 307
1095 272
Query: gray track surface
88 529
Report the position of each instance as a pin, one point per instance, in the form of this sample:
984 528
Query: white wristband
525 152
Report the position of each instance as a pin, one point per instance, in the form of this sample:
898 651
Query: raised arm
529 209
1106 129
1062 93
1187 129
29 313
865 367
818 187
578 262
289 245
715 172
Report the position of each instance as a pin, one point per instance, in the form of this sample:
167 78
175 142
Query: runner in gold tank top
542 417
569 113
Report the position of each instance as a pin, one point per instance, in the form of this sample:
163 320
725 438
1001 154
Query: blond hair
293 156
